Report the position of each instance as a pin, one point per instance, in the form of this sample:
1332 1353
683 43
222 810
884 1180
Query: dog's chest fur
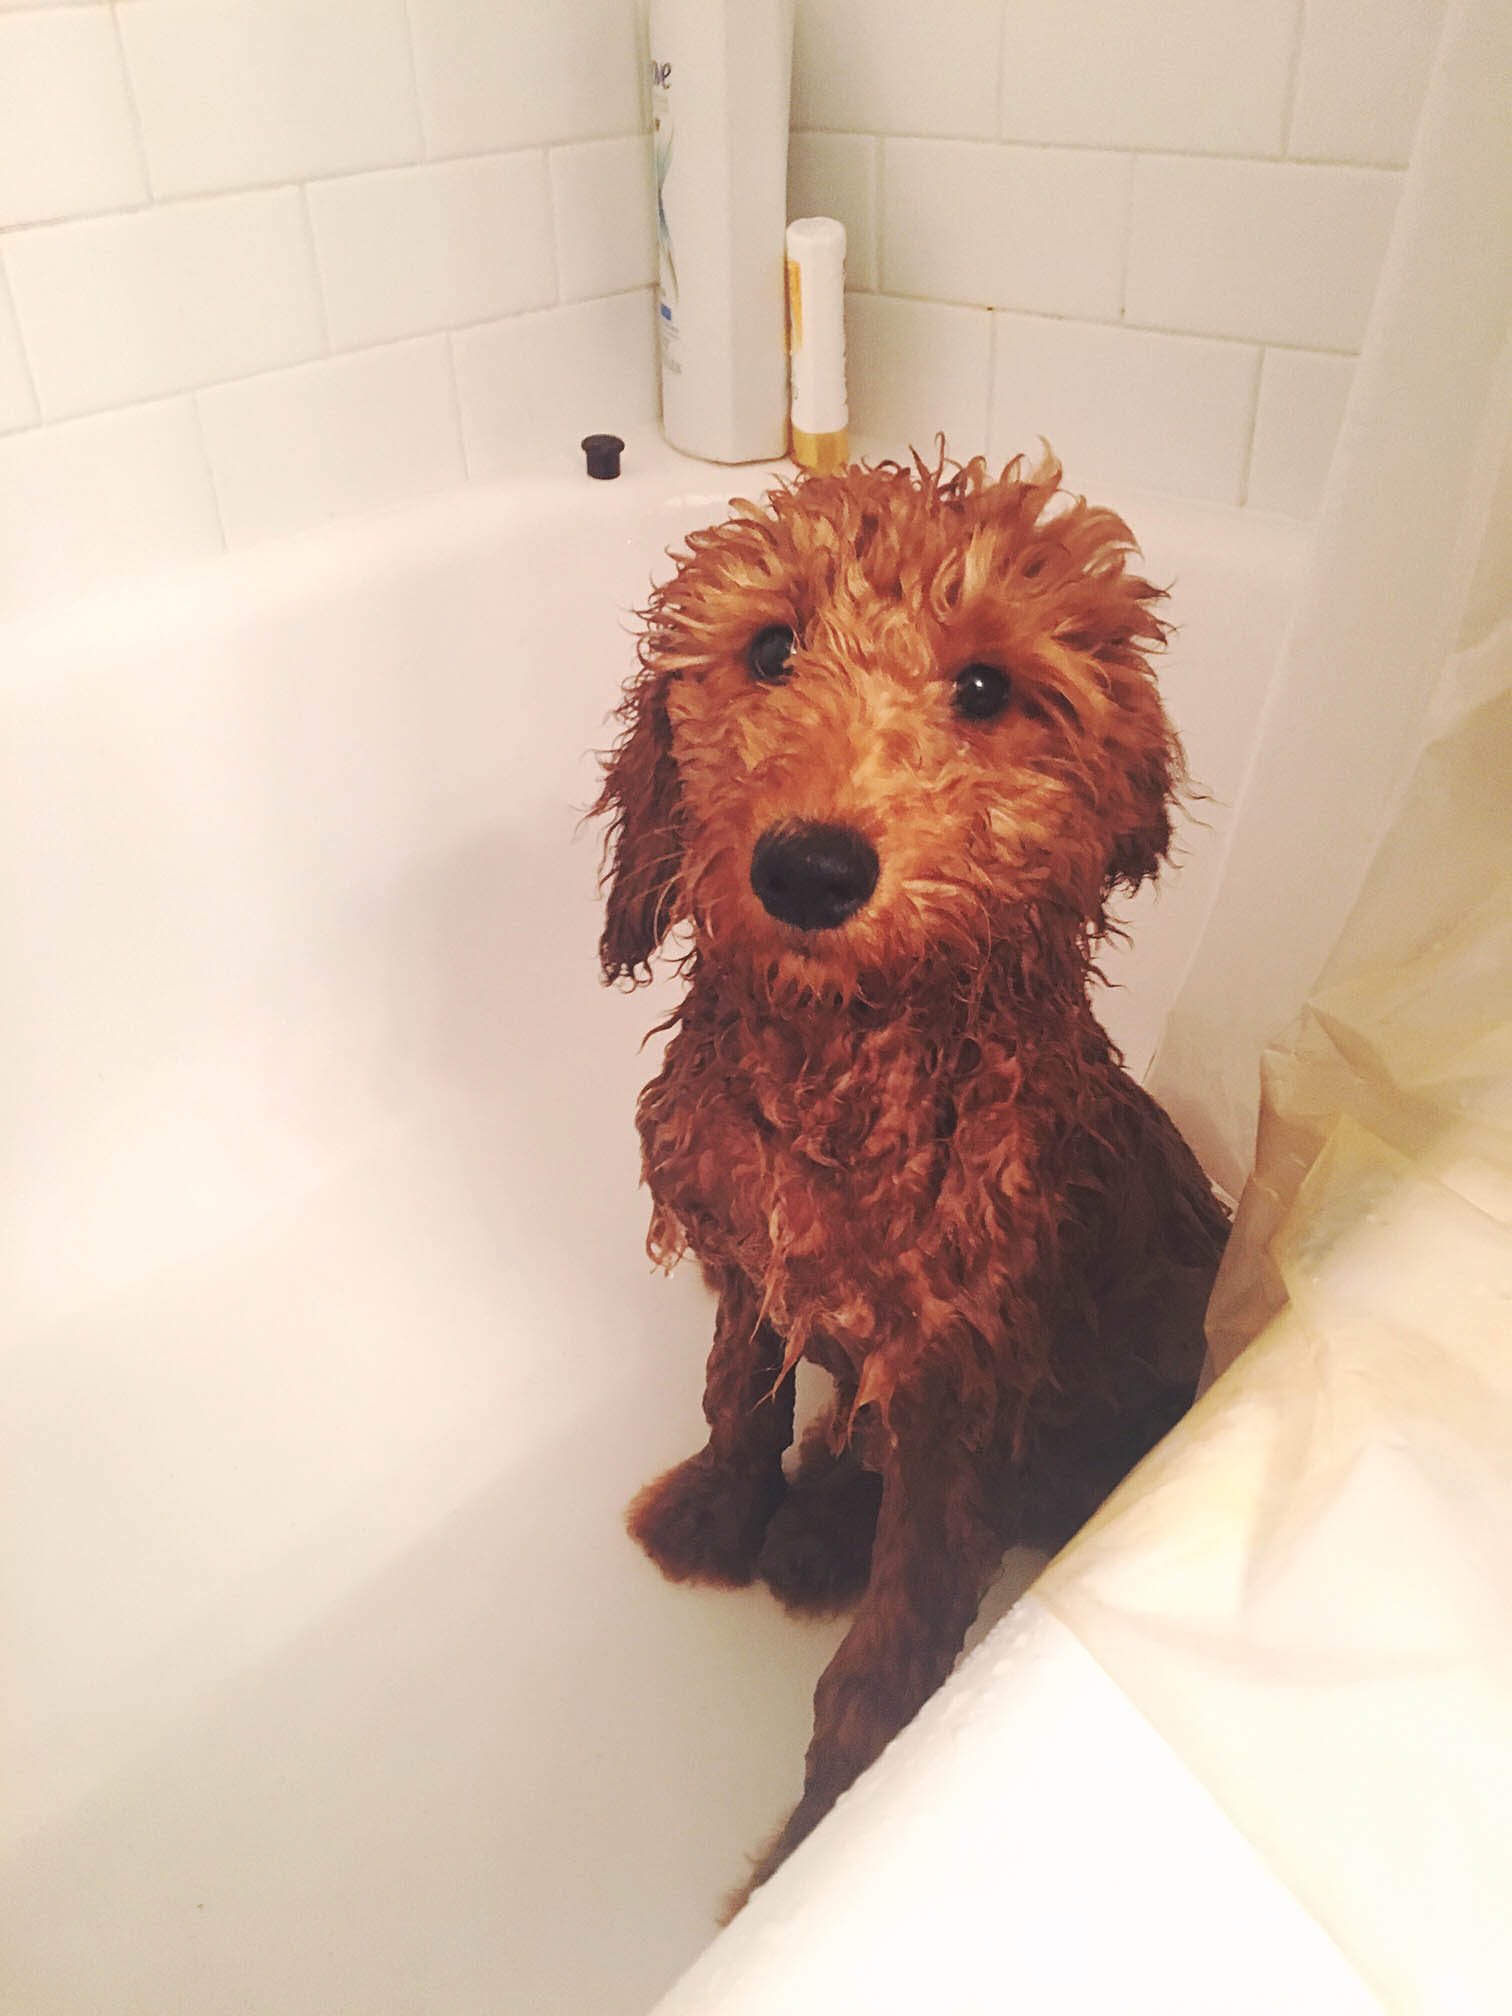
874 1181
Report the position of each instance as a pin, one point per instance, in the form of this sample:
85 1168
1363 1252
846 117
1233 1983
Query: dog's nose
812 875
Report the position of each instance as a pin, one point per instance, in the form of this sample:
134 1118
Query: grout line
469 474
133 109
1249 432
992 381
314 251
414 80
1218 155
1109 322
8 294
286 183
1293 80
1397 168
878 175
554 225
204 447
1128 242
1002 69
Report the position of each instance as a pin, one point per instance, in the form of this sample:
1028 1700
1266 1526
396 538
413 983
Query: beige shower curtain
1308 1589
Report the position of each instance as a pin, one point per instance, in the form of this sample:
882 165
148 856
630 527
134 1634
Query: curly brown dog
893 745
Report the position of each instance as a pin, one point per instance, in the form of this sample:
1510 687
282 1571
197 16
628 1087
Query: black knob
603 452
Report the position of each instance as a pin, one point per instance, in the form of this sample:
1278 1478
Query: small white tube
816 342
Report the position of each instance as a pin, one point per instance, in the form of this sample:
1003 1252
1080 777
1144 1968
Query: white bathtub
331 1350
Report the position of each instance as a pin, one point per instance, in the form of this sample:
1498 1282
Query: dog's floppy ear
643 847
1112 618
1074 558
1150 763
1145 838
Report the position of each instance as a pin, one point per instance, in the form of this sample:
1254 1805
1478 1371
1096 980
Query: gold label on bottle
821 454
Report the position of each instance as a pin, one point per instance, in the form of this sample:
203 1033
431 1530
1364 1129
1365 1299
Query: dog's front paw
703 1522
816 1557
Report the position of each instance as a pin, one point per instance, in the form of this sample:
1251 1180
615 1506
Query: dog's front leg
934 1554
704 1520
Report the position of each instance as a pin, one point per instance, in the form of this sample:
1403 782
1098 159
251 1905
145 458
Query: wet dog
893 746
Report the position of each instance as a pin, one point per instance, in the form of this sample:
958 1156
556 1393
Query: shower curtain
1308 1588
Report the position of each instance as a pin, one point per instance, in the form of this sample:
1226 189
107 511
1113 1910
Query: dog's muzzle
811 875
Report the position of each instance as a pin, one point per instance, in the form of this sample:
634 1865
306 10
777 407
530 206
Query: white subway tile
517 73
235 93
18 404
361 433
889 66
604 202
1036 228
539 383
1275 252
115 494
123 308
66 141
1363 73
1189 76
1302 397
1123 405
835 175
917 369
416 249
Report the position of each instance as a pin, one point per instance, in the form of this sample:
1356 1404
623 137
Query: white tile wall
237 93
93 500
296 448
1364 68
244 232
290 225
536 384
604 204
1302 399
921 369
67 147
516 73
891 66
1173 194
123 308
1125 406
1041 228
1278 252
434 247
836 175
1179 76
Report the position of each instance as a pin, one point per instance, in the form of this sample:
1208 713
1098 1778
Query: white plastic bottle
720 76
816 342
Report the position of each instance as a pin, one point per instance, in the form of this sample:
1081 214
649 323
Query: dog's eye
981 691
770 654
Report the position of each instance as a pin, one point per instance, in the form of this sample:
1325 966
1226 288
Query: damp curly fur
903 1147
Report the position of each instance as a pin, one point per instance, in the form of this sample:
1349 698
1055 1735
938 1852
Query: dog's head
884 723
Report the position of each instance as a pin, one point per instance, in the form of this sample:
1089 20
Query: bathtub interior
333 1351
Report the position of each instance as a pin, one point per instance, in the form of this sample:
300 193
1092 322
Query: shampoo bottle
720 74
